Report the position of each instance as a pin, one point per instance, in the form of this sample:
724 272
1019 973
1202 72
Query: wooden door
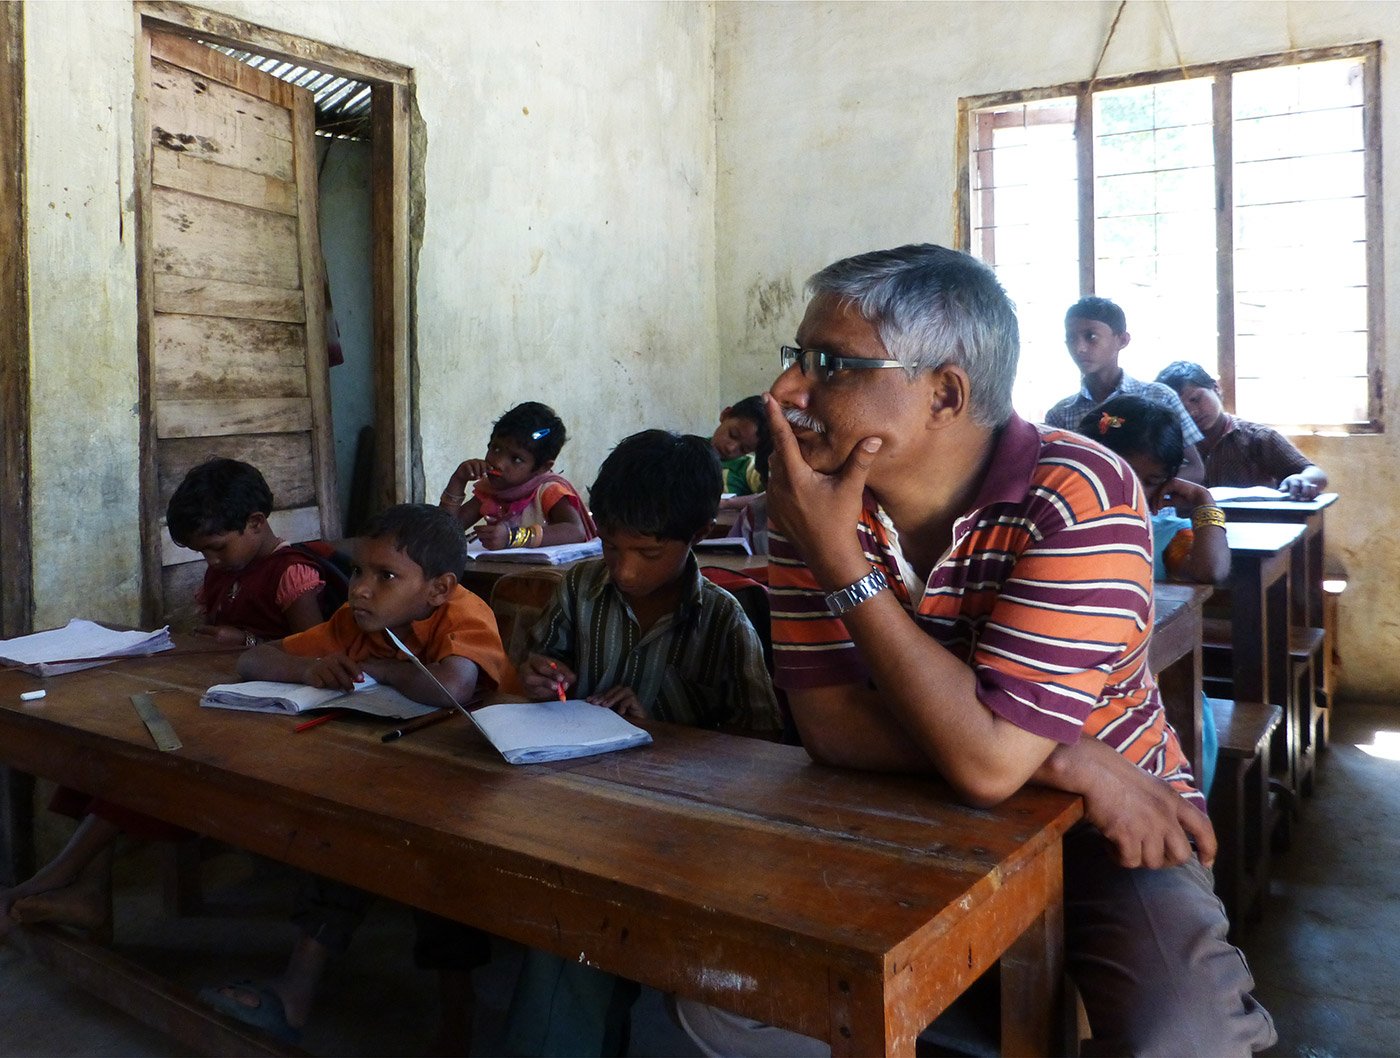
234 351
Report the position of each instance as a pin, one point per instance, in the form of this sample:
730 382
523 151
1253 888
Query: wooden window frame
1368 52
398 470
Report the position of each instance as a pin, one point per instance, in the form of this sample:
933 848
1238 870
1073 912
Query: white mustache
803 421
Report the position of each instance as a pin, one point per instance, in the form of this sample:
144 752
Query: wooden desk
1309 549
481 574
1174 656
846 906
1260 613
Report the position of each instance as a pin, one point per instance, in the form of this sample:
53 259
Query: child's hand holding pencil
545 678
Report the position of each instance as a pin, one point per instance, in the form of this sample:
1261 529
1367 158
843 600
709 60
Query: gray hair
933 306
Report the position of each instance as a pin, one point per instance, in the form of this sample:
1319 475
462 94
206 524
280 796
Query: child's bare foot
87 903
77 905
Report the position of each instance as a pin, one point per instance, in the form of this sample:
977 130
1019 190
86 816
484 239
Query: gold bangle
536 535
519 537
1207 514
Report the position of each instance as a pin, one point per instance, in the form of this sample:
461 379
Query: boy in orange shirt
404 579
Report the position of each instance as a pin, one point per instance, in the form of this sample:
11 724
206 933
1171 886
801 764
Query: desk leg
860 1023
1035 1018
16 826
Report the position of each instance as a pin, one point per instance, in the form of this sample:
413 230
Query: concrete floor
1325 956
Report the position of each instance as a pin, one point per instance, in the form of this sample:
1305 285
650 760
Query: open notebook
269 696
554 555
535 732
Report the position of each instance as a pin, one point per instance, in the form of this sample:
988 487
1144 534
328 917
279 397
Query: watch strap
851 596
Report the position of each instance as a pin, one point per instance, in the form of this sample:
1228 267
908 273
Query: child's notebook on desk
555 555
269 696
535 732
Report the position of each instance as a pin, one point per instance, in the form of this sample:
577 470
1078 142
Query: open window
1232 209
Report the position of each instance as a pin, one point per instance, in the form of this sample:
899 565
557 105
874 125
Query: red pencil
307 725
558 684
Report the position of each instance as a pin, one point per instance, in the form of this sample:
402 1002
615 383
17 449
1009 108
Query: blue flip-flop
269 1015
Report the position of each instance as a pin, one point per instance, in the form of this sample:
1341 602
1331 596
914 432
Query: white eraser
32 696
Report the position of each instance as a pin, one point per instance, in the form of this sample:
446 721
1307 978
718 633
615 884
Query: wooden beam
249 36
16 572
390 202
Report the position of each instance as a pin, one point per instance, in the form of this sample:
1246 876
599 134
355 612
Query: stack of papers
79 645
724 545
1226 494
269 696
535 732
556 555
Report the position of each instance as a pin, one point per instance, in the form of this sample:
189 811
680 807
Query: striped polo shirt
1046 592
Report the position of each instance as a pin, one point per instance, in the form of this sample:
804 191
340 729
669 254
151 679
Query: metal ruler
156 723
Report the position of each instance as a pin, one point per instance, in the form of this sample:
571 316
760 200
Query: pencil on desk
426 720
307 725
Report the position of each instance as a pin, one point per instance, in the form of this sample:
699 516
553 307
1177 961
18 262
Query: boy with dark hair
257 586
639 631
405 580
1239 453
1096 332
742 429
522 502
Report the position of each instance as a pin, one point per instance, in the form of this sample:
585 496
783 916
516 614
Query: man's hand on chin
806 504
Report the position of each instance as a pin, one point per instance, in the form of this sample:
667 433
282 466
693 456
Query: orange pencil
307 725
559 684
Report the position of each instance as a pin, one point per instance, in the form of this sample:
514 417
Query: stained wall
567 253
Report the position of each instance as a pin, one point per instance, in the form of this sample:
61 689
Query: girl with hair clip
514 490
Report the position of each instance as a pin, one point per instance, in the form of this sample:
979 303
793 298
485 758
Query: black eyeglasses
820 365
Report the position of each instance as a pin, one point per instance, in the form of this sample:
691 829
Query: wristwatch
851 596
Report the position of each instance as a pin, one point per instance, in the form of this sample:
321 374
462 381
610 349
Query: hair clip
543 431
1110 422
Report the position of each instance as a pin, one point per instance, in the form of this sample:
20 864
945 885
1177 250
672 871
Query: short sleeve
811 646
753 704
1278 455
297 580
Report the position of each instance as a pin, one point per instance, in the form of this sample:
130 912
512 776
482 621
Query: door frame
16 561
397 475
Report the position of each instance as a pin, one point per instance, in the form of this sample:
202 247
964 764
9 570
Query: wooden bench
1242 807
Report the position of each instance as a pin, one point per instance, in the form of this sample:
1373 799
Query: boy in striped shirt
639 631
956 591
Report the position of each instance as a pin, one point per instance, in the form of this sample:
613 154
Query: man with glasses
984 614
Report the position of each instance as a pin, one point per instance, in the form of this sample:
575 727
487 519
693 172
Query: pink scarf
521 505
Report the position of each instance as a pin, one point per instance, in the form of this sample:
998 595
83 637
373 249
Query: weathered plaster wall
836 135
568 253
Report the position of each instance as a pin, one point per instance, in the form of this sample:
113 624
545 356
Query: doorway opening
342 444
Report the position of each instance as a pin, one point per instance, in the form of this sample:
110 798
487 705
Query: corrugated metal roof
342 104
